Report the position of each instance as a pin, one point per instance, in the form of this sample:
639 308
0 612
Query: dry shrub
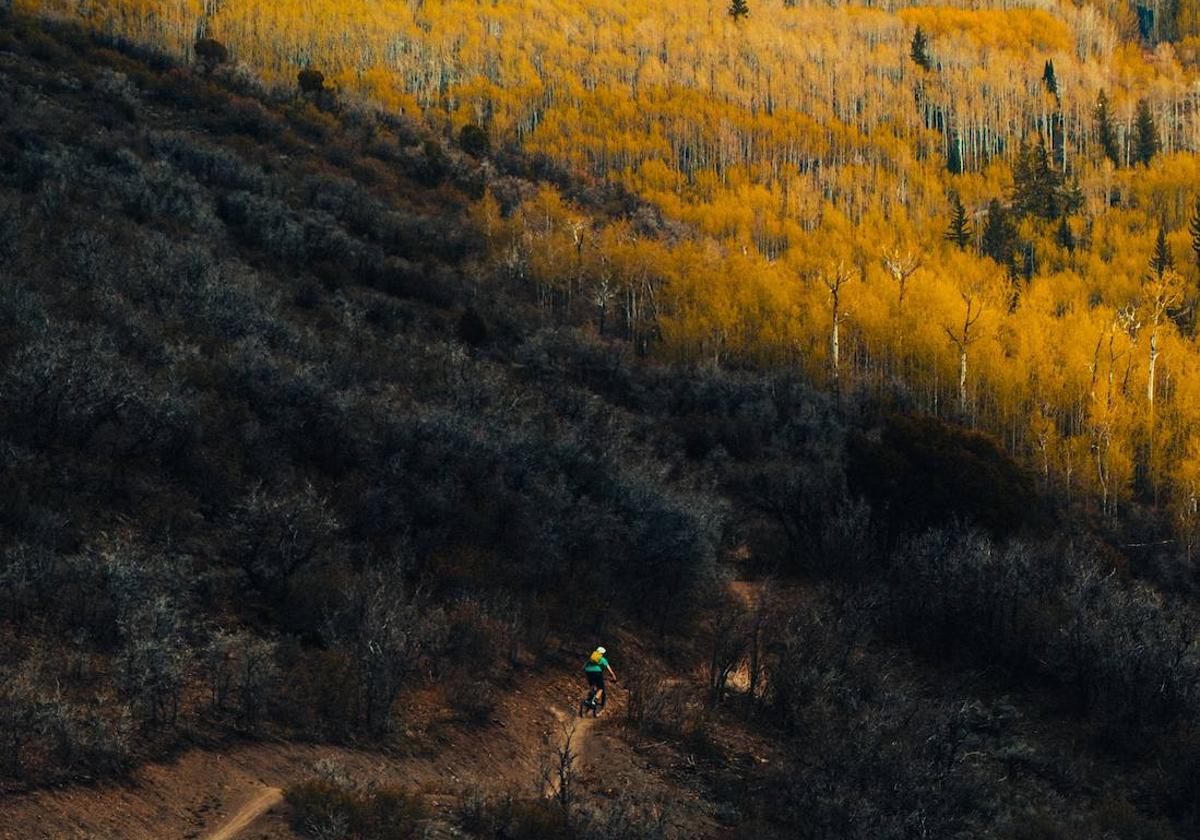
322 806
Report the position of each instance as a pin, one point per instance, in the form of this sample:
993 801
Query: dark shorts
595 678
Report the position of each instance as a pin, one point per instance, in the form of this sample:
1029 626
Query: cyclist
594 669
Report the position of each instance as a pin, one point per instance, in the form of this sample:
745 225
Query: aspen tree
835 278
962 337
1163 293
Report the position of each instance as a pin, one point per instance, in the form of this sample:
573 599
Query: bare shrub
153 663
277 535
387 634
332 807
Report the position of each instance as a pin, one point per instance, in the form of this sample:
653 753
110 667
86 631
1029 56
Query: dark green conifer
920 50
1104 130
1037 186
999 235
959 232
954 162
1145 133
1162 258
1063 236
1049 79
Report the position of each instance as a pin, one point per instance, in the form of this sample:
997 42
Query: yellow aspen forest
804 163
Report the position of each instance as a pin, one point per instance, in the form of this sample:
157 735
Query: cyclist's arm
611 674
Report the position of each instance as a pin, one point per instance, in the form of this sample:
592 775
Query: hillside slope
295 468
955 206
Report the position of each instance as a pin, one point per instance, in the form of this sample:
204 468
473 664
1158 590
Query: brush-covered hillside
313 480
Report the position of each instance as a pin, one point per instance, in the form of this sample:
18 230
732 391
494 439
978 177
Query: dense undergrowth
279 444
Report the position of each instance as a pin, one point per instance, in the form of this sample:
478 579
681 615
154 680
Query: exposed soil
207 794
247 814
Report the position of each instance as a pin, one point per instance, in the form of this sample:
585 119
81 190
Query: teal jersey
596 666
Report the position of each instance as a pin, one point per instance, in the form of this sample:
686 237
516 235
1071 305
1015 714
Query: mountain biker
594 670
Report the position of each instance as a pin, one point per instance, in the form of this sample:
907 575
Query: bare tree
901 265
389 632
962 338
557 775
1163 293
835 279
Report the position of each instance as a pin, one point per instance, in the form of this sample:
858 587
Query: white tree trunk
1150 369
962 380
834 347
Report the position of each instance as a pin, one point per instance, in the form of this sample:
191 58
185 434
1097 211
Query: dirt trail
233 793
229 794
249 812
579 728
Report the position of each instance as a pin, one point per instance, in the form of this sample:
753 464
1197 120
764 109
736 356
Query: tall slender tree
959 232
1146 133
1104 130
1161 294
1162 259
835 280
962 338
902 265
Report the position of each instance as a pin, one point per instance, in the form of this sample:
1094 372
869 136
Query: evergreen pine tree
1022 174
738 10
1162 258
1146 133
1049 79
920 50
999 235
954 162
1072 198
1058 139
1104 130
959 232
1194 230
1037 186
1063 236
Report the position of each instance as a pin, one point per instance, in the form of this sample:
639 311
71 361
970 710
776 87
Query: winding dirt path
247 814
234 793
